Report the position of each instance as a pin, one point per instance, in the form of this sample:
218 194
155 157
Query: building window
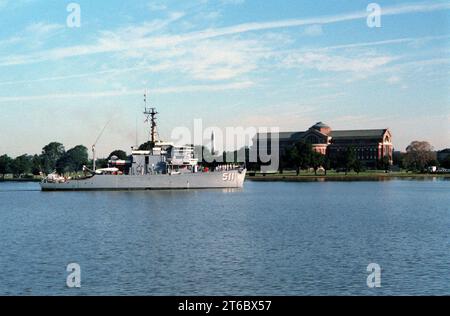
312 140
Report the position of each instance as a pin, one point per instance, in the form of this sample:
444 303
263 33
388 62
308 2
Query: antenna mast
150 114
95 144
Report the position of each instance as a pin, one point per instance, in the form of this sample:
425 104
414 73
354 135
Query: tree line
53 158
299 156
419 156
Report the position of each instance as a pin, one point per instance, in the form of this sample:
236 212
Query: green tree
293 159
5 165
445 163
21 166
418 155
73 160
326 164
384 164
120 154
357 166
317 161
100 163
346 159
50 155
284 161
147 146
62 165
334 160
398 159
432 163
36 165
305 151
298 156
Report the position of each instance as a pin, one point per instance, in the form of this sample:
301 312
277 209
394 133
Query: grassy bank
340 176
25 179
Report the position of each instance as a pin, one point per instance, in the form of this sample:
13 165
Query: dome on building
322 128
320 125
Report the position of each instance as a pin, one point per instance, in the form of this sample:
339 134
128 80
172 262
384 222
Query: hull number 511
229 176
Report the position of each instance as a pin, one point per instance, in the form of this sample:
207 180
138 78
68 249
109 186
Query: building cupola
322 127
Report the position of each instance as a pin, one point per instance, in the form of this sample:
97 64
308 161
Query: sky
231 63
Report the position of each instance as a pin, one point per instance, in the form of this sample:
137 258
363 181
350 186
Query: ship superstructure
161 165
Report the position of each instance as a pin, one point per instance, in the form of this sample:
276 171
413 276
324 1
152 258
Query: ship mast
150 113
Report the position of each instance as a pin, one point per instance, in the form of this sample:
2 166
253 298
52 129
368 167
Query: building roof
320 125
281 135
366 133
353 134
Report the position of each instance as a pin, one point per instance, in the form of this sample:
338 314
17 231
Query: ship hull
211 180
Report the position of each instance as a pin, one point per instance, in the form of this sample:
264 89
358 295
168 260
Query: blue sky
229 62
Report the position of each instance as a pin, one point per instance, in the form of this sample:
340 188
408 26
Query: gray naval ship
163 167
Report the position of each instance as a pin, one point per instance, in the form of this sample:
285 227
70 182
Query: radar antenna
150 114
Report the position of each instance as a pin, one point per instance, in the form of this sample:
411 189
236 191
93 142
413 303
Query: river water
268 239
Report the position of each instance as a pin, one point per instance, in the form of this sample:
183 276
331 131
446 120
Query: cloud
232 2
396 73
321 20
154 6
34 35
408 40
10 41
140 31
125 92
219 59
43 28
123 39
337 63
222 59
110 42
313 30
14 4
37 34
393 79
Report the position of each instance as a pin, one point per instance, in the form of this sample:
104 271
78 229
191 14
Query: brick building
370 145
443 154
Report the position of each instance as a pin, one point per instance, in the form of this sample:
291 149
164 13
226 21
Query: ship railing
229 167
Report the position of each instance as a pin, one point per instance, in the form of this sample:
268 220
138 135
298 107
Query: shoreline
349 177
20 180
307 177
